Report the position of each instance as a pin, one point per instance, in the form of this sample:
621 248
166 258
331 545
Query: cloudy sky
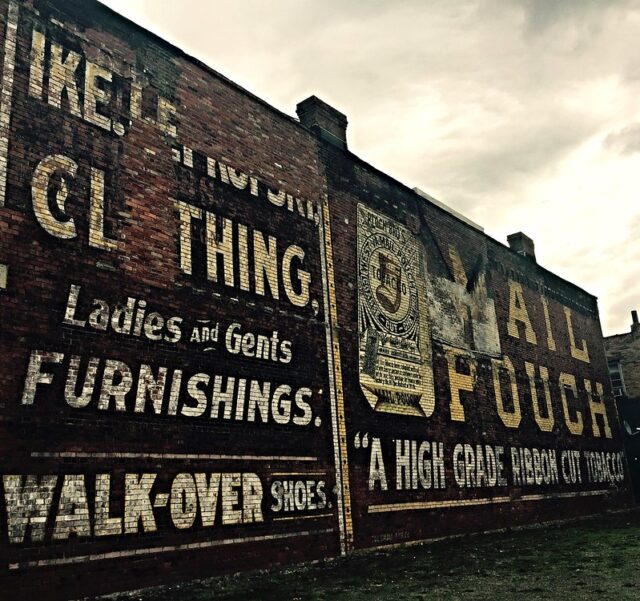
521 114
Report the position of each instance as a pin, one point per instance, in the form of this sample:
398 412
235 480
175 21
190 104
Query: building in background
623 360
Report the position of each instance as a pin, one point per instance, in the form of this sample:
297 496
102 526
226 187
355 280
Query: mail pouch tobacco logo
395 350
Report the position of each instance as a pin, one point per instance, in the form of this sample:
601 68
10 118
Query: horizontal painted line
386 507
299 473
564 495
303 517
177 456
166 549
389 507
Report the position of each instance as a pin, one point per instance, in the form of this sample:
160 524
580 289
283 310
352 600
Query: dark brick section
173 253
352 181
142 184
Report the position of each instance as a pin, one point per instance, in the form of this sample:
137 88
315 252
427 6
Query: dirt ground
596 559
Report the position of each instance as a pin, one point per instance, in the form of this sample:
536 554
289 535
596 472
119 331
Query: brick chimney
328 123
522 245
635 326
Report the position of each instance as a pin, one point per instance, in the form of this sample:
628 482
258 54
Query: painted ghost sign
226 343
164 301
471 386
395 345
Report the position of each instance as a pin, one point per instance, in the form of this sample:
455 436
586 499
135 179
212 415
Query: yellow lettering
511 419
243 257
36 70
166 114
459 382
582 354
518 313
597 407
551 343
187 212
299 299
216 247
544 423
62 76
567 381
94 94
40 195
96 213
265 263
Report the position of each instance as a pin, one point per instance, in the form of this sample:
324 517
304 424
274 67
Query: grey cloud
495 168
542 15
625 140
618 310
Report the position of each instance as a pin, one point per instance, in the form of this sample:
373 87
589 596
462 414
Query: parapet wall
228 343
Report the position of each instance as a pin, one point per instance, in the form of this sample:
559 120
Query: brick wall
228 344
624 349
623 356
498 324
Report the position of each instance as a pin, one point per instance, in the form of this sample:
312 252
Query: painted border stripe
166 549
565 495
386 507
322 473
314 516
338 422
389 507
6 93
171 456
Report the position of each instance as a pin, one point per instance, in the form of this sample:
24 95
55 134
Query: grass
590 560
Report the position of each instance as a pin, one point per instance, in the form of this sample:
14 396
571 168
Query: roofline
297 123
196 61
463 221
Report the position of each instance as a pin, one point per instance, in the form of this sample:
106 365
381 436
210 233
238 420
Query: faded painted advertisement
499 403
158 326
225 346
395 346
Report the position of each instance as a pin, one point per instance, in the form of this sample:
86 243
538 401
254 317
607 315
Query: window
617 381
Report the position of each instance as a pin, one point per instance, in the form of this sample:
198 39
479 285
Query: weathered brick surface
189 387
411 508
284 436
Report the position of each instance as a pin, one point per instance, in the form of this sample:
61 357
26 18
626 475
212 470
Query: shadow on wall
629 412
